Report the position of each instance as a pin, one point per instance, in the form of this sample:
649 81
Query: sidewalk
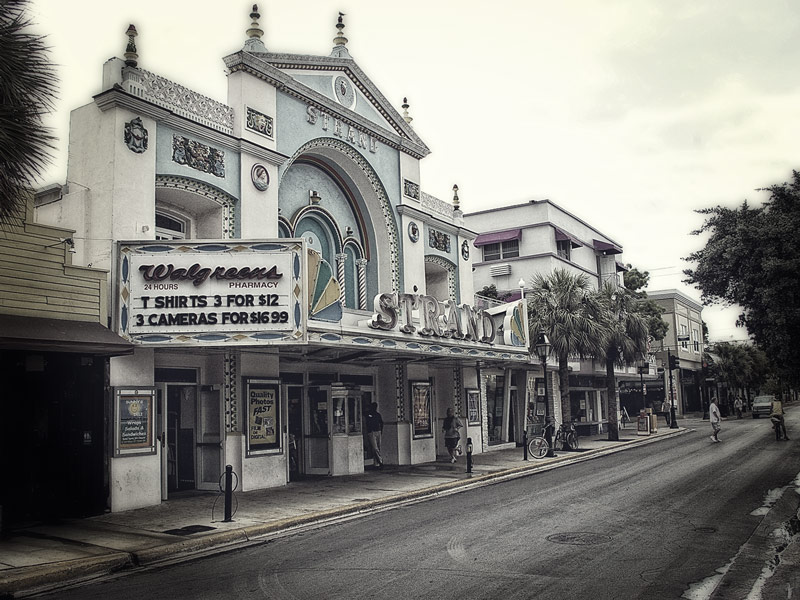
46 556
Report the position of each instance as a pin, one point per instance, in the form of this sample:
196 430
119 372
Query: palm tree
624 341
561 304
27 89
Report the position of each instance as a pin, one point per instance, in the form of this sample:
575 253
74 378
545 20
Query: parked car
762 405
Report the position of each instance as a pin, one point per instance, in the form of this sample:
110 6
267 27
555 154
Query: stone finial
131 57
340 40
456 205
406 117
339 48
254 33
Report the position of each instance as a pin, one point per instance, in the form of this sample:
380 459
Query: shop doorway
191 437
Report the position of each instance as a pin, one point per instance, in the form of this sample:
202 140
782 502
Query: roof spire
254 43
339 49
456 203
406 117
131 57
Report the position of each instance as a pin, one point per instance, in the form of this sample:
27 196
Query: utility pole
672 363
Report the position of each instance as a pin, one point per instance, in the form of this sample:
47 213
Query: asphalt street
664 520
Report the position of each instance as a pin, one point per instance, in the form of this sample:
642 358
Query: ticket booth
333 442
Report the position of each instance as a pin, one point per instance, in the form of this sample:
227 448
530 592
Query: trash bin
653 423
643 425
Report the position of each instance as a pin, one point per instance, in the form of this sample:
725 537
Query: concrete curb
42 577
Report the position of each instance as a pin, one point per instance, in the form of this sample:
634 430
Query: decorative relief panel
410 189
198 156
259 122
136 136
183 100
434 205
438 240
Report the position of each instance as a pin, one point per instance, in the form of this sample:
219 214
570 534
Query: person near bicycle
374 423
450 427
778 421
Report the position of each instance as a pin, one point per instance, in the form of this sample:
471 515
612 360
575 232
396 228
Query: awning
621 268
497 237
607 247
57 335
563 236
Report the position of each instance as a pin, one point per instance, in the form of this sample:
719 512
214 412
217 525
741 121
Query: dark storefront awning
563 236
497 237
57 335
607 247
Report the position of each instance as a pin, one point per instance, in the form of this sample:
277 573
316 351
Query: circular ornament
260 177
344 92
413 232
465 250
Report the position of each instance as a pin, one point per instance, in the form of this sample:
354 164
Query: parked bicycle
564 437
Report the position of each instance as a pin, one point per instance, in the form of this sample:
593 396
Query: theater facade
277 268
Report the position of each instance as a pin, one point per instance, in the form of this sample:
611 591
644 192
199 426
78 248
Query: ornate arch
452 272
376 185
225 200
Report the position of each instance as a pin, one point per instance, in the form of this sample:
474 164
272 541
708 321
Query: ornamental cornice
427 218
265 154
118 97
267 67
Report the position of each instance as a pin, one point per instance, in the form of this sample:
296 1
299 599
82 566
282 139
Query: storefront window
339 417
354 414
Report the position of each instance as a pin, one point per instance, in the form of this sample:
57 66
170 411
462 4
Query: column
361 265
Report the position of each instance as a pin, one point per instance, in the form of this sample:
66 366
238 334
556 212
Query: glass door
294 400
318 431
209 438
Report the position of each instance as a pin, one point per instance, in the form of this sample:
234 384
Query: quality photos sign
212 293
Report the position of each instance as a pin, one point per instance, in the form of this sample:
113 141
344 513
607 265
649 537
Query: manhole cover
579 538
705 529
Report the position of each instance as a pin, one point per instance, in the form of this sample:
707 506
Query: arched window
169 227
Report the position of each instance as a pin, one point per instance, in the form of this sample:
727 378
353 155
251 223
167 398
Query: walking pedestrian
778 422
715 418
737 405
450 427
374 423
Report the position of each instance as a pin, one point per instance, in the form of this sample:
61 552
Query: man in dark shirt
374 423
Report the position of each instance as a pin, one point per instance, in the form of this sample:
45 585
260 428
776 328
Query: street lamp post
542 348
642 366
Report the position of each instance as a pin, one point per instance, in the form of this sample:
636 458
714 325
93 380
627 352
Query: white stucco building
277 266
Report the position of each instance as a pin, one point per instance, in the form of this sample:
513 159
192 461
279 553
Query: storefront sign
421 408
133 412
212 293
438 319
263 416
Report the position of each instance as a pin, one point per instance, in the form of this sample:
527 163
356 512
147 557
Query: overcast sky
629 114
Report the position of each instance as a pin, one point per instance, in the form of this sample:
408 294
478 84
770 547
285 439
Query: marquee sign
212 293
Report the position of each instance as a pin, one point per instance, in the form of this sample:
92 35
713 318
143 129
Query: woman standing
450 427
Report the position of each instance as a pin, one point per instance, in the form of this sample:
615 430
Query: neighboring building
516 242
54 349
277 268
684 340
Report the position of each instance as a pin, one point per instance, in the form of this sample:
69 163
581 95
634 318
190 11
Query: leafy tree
635 281
562 305
490 291
752 259
27 88
624 340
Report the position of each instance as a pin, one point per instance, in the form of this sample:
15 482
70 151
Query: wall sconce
313 197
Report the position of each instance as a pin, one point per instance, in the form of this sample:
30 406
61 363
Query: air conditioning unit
500 270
